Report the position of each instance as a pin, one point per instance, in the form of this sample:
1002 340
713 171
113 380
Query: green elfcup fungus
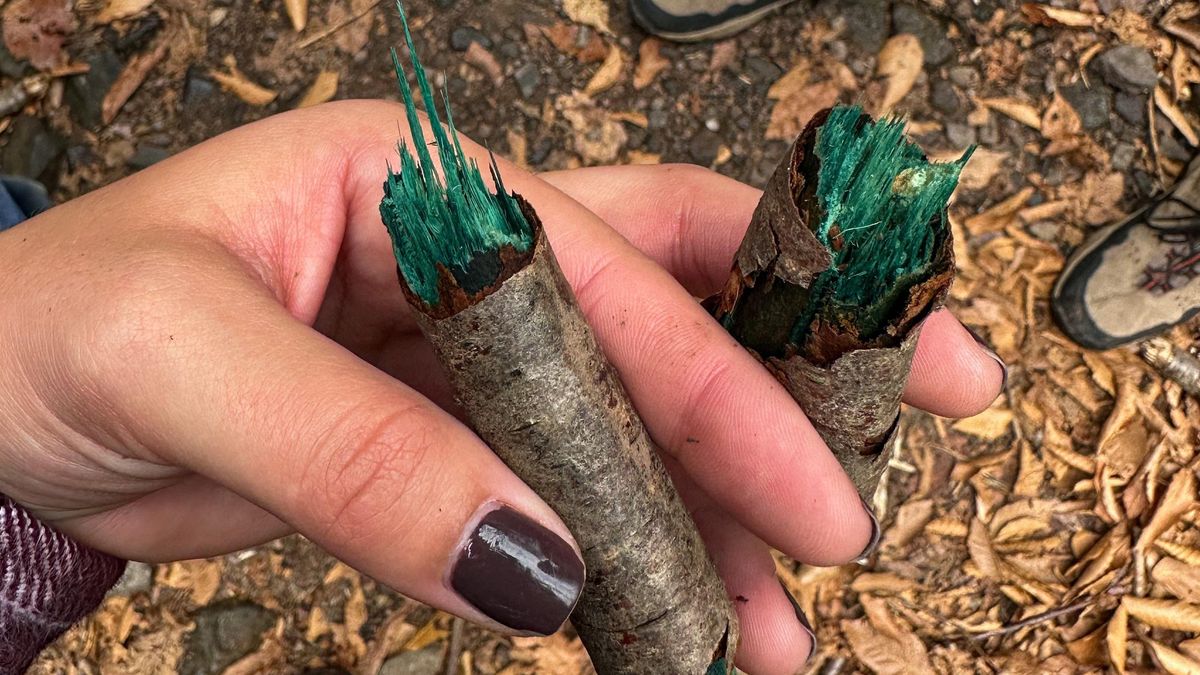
848 252
486 290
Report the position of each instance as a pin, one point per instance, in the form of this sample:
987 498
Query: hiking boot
1138 277
695 20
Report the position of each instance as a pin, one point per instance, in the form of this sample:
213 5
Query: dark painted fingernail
803 621
875 534
519 573
992 353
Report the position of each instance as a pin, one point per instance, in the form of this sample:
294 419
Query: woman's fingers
234 388
691 220
704 399
953 374
686 218
216 520
775 638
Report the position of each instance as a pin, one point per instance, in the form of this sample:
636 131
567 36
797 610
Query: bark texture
537 388
848 386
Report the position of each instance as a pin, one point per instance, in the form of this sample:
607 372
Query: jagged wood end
881 215
850 247
453 237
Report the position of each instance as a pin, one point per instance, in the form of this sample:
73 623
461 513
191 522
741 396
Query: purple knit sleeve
47 583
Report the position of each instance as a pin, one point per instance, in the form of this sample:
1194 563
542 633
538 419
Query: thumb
232 387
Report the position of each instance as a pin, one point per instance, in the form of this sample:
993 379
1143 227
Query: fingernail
875 534
992 353
518 573
812 634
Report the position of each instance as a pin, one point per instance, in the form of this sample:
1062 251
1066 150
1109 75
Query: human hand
215 352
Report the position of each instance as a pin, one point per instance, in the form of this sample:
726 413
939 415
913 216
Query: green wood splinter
487 292
848 252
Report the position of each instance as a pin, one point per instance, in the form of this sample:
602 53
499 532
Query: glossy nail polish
802 619
518 573
873 543
990 352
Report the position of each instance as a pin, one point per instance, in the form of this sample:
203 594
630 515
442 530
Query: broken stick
487 292
847 254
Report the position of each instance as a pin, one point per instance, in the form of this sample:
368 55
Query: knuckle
589 292
356 482
130 322
703 394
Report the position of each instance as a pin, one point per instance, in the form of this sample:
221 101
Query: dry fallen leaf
554 654
478 56
200 578
1178 579
1175 115
518 148
791 83
911 519
592 13
639 157
131 77
36 30
322 89
1187 554
983 166
1172 661
243 87
598 138
1117 639
297 11
887 655
650 63
900 61
1057 444
1060 121
1178 500
1190 648
1047 15
120 9
797 102
1161 613
354 20
979 545
608 74
1014 108
988 425
1031 474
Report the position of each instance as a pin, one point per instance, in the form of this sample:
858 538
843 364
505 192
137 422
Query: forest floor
1055 533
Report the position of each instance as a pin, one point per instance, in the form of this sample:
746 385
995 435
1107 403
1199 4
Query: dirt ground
1055 533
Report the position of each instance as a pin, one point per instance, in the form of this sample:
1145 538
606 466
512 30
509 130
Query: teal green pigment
449 220
879 201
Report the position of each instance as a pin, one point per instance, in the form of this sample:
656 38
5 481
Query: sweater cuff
48 581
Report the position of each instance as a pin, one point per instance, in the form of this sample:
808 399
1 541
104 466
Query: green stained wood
881 203
451 219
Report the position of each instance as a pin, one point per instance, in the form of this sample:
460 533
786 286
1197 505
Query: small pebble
1122 157
712 124
1131 107
960 135
528 78
704 147
964 76
1129 67
463 36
